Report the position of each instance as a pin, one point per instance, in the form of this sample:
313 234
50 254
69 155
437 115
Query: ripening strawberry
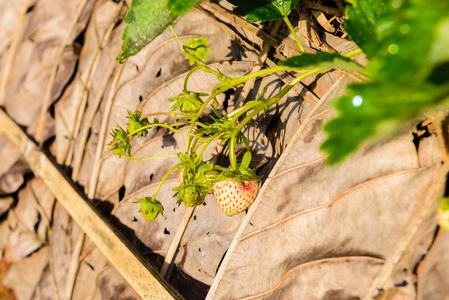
234 197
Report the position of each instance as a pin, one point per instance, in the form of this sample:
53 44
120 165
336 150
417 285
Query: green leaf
146 20
150 208
181 7
362 20
263 10
196 48
406 79
322 59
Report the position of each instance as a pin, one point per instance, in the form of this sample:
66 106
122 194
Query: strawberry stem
165 178
166 126
232 157
188 75
289 25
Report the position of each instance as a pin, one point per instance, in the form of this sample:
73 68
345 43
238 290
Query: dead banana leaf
42 35
432 272
313 222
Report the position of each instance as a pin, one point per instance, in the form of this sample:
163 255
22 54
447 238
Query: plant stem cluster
198 176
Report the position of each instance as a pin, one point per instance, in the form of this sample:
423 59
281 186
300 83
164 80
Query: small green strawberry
233 197
190 196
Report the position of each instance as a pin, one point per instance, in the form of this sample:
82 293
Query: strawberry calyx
150 208
196 181
187 102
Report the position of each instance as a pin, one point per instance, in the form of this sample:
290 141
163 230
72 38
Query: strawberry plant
405 43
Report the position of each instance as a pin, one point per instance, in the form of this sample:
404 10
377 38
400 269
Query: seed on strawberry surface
234 197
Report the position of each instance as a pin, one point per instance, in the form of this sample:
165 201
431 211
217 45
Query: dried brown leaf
24 275
307 212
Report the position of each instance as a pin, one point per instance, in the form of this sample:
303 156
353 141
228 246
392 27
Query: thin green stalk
195 142
165 178
188 75
278 97
301 48
353 52
198 114
239 112
206 144
261 106
149 158
236 81
232 157
163 114
176 36
165 126
285 90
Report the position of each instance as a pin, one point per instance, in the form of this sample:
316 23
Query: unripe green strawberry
234 197
191 197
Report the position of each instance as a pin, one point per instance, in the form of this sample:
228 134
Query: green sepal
196 49
150 208
187 102
246 160
136 122
120 144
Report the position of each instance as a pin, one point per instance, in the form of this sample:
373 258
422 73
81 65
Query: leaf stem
261 106
165 178
200 111
236 81
163 114
209 140
176 36
188 75
232 157
165 126
287 21
353 52
238 112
